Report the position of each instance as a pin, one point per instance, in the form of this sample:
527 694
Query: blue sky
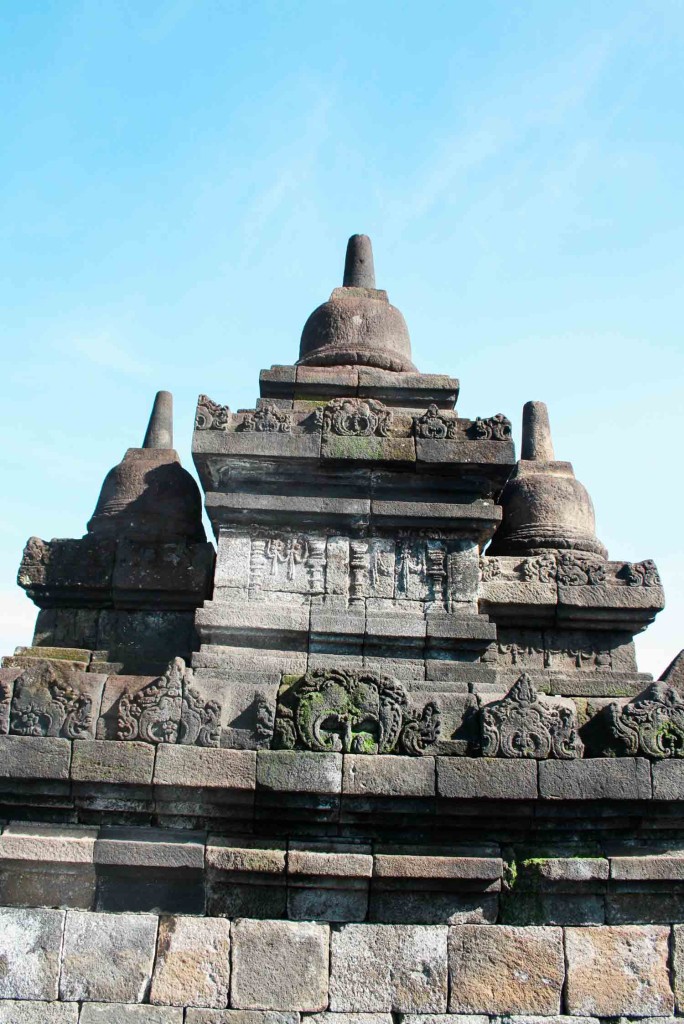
180 178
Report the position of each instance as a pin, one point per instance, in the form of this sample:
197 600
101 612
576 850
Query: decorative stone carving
523 724
267 419
640 574
542 569
494 428
359 569
435 424
410 570
45 705
287 553
489 569
355 417
435 573
210 415
5 694
652 724
264 722
356 712
576 571
169 710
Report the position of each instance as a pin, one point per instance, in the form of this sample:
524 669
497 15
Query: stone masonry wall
140 967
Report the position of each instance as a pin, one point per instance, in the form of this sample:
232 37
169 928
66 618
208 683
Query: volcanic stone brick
29 1012
279 965
449 1018
668 780
129 1013
505 970
389 775
379 968
486 778
239 1017
678 965
30 942
111 761
213 767
430 907
618 970
299 771
107 957
597 778
34 757
349 1018
193 962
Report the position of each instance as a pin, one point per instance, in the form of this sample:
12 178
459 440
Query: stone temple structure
383 755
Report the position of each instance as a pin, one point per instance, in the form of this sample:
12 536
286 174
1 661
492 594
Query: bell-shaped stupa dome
149 496
544 505
357 325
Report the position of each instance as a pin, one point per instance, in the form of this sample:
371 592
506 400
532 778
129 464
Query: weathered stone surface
388 775
129 763
332 859
505 970
597 778
192 967
129 1013
327 904
463 778
30 942
380 968
107 957
66 844
239 1017
400 906
618 970
678 965
279 965
29 1012
295 771
668 780
350 1018
448 1018
214 768
34 757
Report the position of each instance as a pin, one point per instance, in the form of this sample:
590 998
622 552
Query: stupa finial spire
359 271
159 433
537 445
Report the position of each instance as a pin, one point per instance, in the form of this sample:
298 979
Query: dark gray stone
599 778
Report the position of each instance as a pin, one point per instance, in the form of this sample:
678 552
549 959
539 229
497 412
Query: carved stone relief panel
337 566
652 724
50 703
516 648
381 562
589 651
410 570
286 563
523 724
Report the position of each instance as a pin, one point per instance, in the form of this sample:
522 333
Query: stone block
125 763
207 767
544 908
192 967
485 778
193 1016
404 906
665 907
678 965
279 965
644 862
328 860
349 1018
668 780
176 573
137 847
107 957
388 775
294 771
505 970
46 843
34 757
53 700
618 970
129 1013
327 904
116 686
29 1012
597 778
451 1018
378 968
47 866
30 943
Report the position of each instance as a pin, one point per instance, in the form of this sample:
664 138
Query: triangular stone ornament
523 724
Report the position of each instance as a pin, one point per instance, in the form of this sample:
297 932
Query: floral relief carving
523 724
5 694
355 712
652 724
169 710
541 569
45 705
267 419
577 571
494 428
489 569
640 574
355 417
434 424
287 552
211 416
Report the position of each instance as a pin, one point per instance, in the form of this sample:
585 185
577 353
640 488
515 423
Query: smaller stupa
544 505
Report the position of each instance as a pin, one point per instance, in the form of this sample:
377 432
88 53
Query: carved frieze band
570 569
